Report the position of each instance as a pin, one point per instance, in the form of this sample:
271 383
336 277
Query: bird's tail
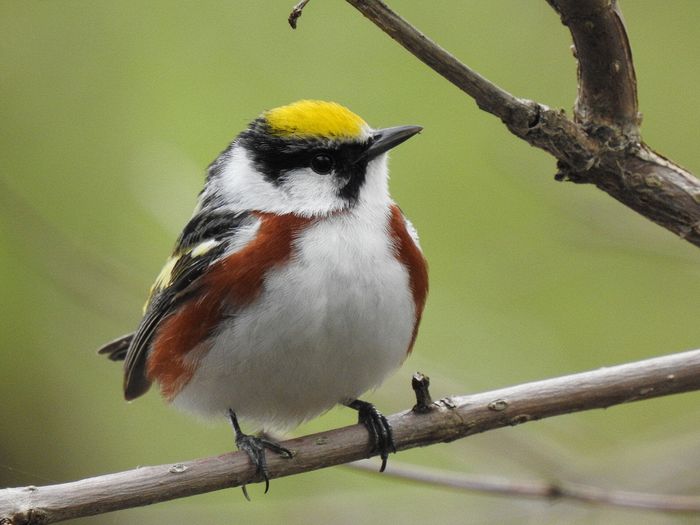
116 350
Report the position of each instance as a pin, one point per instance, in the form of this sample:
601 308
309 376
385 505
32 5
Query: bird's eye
322 164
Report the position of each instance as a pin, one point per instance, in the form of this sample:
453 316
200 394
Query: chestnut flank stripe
408 253
234 281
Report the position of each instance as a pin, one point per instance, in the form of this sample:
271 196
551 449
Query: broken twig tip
420 384
296 13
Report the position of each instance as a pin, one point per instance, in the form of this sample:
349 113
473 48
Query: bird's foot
255 448
380 432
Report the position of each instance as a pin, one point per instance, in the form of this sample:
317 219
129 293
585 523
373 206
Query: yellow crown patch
315 118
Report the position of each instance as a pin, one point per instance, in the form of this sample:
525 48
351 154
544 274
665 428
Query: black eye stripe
275 156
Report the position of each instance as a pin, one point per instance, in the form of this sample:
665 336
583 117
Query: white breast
328 326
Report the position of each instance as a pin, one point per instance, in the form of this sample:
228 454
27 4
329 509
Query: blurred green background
110 111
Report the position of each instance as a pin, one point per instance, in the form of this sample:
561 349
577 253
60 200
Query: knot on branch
28 517
614 147
566 140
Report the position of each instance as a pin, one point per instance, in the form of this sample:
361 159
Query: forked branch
607 85
602 146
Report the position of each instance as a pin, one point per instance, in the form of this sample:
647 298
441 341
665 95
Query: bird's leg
379 429
255 448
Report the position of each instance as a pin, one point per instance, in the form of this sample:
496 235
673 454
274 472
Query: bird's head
309 158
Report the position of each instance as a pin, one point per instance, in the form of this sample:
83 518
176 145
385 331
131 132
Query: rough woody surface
450 419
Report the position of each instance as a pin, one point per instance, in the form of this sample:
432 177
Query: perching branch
449 419
602 145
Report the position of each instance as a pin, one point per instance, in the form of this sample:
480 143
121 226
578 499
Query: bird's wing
203 241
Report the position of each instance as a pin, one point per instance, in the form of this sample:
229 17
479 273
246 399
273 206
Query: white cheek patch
303 192
310 191
241 187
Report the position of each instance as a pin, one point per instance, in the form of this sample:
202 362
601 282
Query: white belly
328 326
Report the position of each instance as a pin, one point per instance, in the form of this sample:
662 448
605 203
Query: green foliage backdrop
109 113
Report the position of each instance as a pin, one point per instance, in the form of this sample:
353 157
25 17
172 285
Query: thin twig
525 118
296 13
537 489
450 419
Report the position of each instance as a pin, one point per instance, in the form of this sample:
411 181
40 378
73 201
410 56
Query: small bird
297 285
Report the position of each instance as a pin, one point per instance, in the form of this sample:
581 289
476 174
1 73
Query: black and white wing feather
203 241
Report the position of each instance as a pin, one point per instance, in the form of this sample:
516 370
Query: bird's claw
379 429
255 448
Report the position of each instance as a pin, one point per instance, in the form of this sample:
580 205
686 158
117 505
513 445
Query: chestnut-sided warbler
298 283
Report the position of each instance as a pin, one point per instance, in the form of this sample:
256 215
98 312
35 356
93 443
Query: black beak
385 139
